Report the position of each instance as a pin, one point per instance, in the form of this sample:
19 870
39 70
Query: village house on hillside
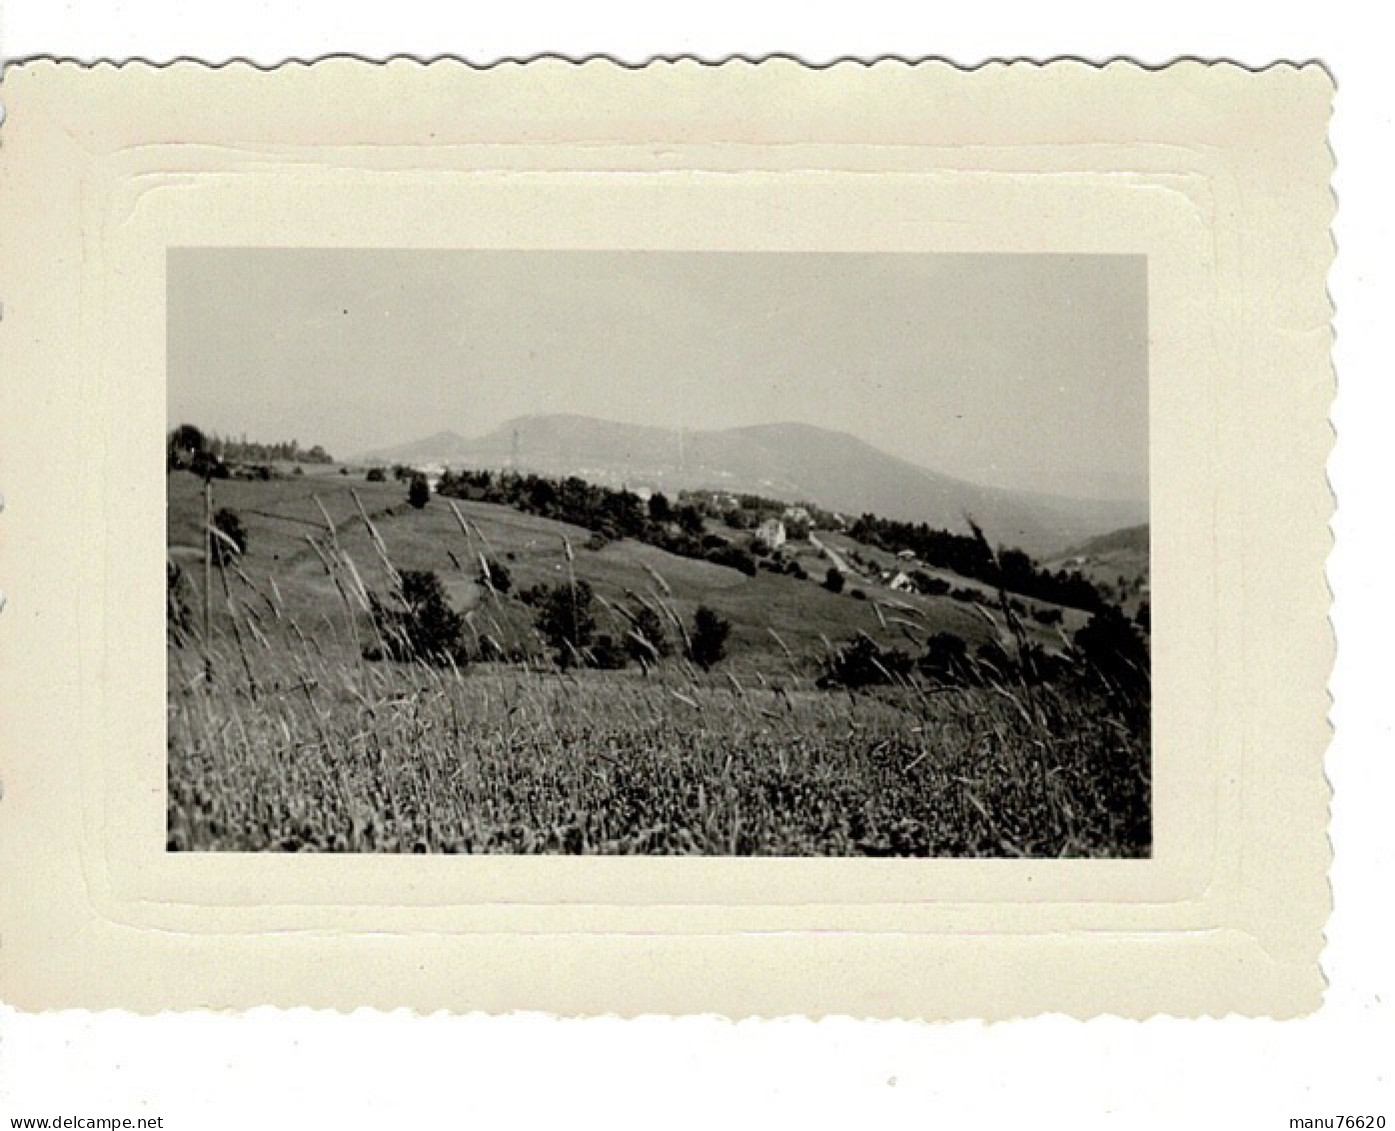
902 583
771 533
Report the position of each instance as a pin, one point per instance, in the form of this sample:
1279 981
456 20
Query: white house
771 533
902 584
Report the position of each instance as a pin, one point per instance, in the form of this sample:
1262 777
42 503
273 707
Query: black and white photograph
654 552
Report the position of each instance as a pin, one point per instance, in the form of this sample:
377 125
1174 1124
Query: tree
660 509
647 642
709 638
1117 653
230 541
690 520
419 493
833 580
566 619
183 445
421 626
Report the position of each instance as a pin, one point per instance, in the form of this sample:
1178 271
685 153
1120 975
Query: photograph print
659 553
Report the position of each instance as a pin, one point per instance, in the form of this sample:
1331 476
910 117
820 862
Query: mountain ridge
787 460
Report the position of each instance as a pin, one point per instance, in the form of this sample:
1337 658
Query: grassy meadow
298 742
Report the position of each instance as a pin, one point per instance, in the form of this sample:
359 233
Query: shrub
233 541
709 638
566 620
1115 655
647 642
421 625
208 466
862 662
533 596
419 493
858 595
376 475
495 575
734 557
833 580
946 658
608 654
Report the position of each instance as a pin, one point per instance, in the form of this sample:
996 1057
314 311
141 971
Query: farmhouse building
771 533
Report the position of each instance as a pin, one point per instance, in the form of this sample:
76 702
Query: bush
208 466
233 541
864 663
495 575
709 639
419 493
608 654
566 620
833 580
946 659
534 595
421 626
647 642
1115 655
733 557
858 595
376 475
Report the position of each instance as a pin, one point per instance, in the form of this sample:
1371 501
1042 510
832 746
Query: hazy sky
1028 372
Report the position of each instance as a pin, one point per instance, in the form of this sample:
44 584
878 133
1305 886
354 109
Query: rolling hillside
1117 562
291 730
793 462
279 515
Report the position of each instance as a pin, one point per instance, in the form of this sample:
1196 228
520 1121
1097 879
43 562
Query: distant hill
1117 562
789 461
1131 539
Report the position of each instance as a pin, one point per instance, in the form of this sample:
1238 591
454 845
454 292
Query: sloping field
299 742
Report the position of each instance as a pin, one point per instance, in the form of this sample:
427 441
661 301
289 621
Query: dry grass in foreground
500 759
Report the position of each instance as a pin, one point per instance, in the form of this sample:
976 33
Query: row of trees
1109 653
969 555
610 514
418 624
188 448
